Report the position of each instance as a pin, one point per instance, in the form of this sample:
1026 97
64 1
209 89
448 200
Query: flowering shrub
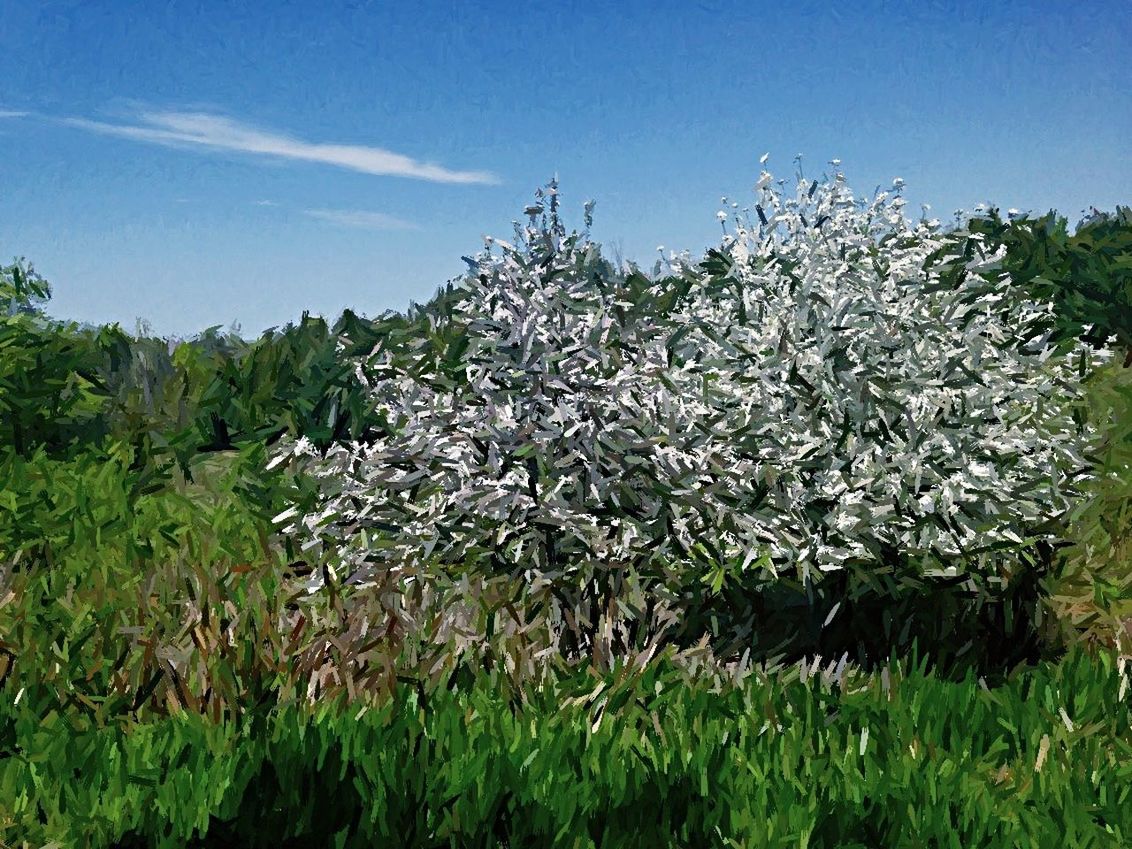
808 399
887 411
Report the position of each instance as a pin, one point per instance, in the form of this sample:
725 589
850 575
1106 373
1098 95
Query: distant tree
52 390
22 290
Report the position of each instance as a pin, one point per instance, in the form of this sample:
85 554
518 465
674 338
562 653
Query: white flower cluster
815 399
892 412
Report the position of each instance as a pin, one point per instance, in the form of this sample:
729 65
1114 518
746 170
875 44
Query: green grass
652 759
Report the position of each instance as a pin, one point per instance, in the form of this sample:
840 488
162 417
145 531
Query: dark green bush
52 391
1087 275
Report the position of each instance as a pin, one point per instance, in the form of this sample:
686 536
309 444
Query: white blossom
817 401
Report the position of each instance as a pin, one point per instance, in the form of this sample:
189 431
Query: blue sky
196 164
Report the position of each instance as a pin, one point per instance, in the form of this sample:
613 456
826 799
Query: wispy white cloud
216 132
361 219
5 113
265 203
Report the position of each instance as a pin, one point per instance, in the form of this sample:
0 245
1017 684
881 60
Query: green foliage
66 387
52 391
217 392
1087 275
1090 595
102 563
293 382
22 290
634 758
